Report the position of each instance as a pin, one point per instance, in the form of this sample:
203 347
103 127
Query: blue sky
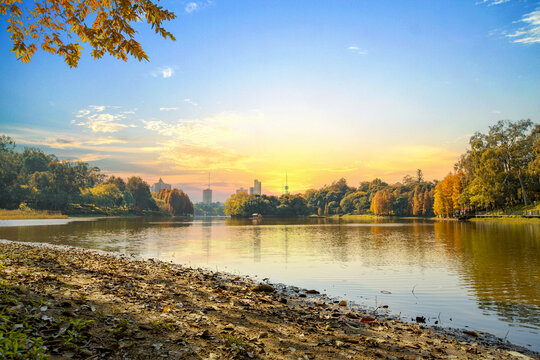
252 89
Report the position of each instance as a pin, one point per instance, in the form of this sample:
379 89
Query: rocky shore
63 303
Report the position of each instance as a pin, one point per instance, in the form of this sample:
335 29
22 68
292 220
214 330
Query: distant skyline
251 90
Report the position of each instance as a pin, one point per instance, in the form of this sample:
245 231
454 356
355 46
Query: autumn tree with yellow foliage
382 202
447 192
61 26
176 201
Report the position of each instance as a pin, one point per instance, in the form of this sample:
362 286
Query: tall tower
207 193
257 190
286 192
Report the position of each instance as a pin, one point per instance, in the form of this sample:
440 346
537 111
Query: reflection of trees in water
512 313
257 244
500 263
286 244
110 234
206 237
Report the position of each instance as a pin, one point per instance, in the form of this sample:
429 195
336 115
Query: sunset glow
256 90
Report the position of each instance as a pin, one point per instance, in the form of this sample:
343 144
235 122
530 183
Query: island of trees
35 180
501 169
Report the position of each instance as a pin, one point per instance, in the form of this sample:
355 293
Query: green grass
356 217
30 214
16 327
509 219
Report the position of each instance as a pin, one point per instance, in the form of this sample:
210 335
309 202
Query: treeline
501 169
212 209
412 197
243 205
41 181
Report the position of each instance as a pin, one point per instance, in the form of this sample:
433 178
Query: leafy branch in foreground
60 26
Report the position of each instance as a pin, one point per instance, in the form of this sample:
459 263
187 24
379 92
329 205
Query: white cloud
97 108
191 7
92 157
168 108
106 141
203 143
99 121
209 130
165 72
491 2
530 33
357 50
189 101
106 123
82 113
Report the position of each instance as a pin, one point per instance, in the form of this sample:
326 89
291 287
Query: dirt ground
73 303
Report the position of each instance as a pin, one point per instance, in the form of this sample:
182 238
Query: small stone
263 288
85 352
343 303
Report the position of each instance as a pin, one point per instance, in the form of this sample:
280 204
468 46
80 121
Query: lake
484 276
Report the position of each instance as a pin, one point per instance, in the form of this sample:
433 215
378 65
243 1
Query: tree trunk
523 192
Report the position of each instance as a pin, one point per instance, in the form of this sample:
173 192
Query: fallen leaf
368 319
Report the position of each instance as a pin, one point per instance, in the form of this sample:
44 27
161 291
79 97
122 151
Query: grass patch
508 219
17 338
236 343
30 214
356 217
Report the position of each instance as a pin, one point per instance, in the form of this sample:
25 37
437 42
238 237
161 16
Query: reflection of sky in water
486 276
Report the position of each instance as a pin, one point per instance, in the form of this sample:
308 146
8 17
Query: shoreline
364 217
147 308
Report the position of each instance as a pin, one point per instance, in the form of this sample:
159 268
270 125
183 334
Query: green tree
118 181
106 194
140 191
496 168
355 202
10 168
34 160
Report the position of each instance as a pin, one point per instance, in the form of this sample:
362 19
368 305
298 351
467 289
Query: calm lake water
485 276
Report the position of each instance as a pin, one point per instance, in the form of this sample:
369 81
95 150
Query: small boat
256 216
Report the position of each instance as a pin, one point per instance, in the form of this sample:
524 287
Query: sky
255 89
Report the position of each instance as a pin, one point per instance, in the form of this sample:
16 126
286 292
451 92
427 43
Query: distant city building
159 186
241 190
257 187
207 193
251 190
207 196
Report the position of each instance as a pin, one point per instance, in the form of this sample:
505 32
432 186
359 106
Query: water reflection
500 263
483 275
